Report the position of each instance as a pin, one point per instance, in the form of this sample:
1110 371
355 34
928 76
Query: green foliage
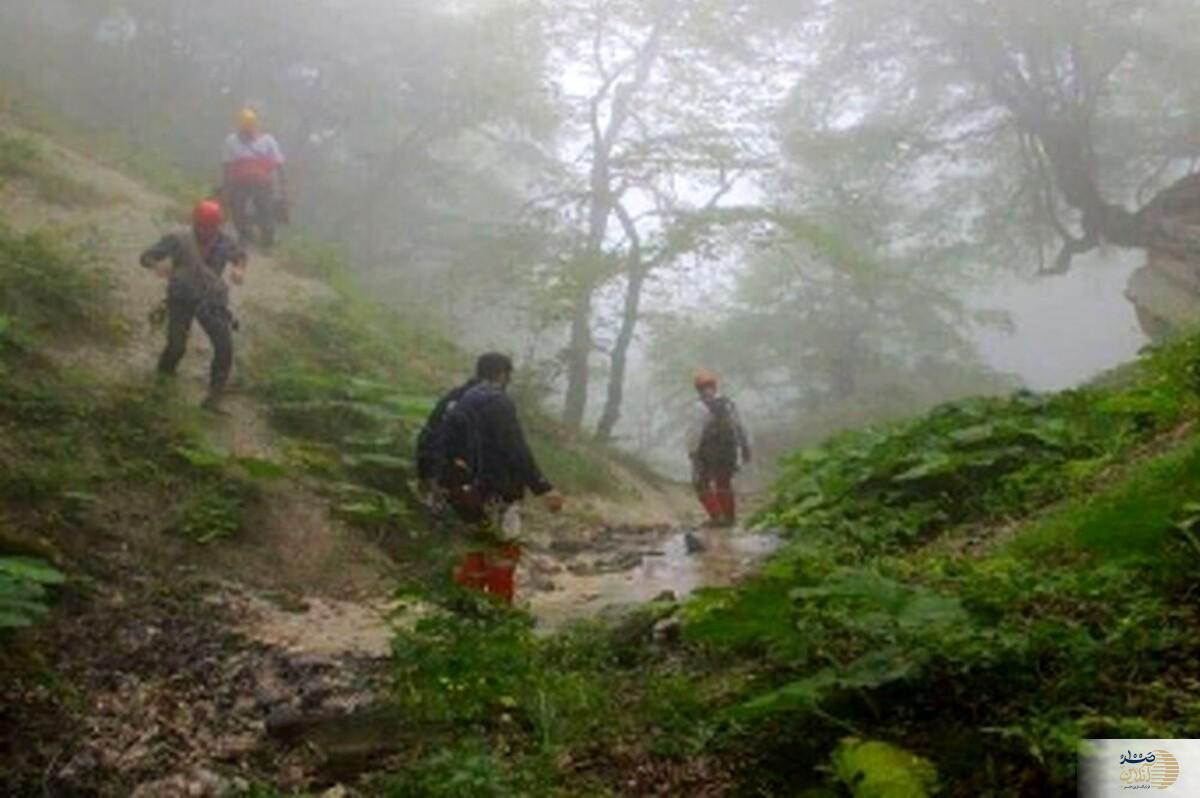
220 489
53 287
881 770
19 155
317 259
23 158
357 434
462 771
1011 653
353 383
371 509
212 512
977 459
505 706
487 667
23 590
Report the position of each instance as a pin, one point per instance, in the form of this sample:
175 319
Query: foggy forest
599 398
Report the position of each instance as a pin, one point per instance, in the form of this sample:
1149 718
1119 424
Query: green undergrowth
52 288
959 600
79 452
24 594
24 159
984 586
507 712
979 460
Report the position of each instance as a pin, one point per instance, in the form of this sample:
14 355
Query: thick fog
850 211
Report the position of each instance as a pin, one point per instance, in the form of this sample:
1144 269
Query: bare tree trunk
579 351
604 142
620 354
579 348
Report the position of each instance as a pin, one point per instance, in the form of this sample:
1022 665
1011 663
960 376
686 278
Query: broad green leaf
31 570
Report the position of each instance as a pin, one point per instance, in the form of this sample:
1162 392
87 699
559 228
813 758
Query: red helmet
207 215
703 378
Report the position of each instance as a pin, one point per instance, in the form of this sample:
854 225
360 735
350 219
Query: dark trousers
241 197
216 322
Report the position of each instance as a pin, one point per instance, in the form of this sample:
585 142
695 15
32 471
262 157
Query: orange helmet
703 378
207 216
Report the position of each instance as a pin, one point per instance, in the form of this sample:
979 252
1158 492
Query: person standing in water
717 444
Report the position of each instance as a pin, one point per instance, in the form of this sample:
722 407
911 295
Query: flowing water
626 566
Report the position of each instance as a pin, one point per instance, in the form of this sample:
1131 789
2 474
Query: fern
23 590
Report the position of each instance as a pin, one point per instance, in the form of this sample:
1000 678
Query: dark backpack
720 440
462 439
431 442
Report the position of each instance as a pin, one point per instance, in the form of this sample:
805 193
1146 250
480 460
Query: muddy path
170 683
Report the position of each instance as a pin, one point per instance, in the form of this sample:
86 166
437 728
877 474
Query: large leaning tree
1050 128
663 120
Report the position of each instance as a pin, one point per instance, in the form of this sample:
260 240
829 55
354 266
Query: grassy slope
984 585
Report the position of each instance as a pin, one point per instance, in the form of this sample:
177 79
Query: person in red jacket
253 179
715 440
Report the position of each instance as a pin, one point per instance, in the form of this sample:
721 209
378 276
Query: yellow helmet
247 119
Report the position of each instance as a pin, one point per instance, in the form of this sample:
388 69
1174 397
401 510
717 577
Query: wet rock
544 566
693 544
541 583
625 561
568 547
365 730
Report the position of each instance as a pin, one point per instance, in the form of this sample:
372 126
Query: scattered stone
568 547
668 630
666 595
624 561
199 783
541 583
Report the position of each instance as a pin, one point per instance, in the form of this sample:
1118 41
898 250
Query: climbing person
253 177
716 439
196 290
485 464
